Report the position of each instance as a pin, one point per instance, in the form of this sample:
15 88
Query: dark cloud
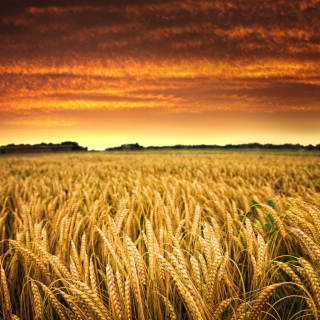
218 29
180 56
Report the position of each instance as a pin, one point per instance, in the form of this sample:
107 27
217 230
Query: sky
106 73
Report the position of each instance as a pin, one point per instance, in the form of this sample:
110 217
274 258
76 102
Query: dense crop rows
160 236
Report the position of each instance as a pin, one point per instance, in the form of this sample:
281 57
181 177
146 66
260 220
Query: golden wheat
160 236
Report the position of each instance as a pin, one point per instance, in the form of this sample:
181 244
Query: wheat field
160 236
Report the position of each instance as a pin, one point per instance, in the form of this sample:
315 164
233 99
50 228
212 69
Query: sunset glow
160 72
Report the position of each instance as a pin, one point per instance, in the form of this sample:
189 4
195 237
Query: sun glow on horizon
181 70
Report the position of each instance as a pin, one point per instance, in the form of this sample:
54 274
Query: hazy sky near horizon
105 73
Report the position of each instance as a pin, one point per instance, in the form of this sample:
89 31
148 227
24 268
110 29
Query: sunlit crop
160 236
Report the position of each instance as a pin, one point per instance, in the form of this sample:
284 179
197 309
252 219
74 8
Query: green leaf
270 218
248 214
254 202
108 199
271 204
268 227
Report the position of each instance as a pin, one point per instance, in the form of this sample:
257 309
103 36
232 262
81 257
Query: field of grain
160 236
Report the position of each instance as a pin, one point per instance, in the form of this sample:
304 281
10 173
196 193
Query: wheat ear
113 293
36 299
6 294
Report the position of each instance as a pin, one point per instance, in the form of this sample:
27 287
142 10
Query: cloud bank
170 57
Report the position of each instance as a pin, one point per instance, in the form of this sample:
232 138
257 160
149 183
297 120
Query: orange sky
107 73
